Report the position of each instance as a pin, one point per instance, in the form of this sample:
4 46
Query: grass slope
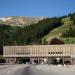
57 32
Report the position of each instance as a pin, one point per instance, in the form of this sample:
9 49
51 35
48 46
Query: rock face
20 20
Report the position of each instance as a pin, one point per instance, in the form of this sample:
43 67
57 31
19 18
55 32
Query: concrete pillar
38 60
63 60
71 61
47 60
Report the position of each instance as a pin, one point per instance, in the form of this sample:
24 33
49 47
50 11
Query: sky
47 8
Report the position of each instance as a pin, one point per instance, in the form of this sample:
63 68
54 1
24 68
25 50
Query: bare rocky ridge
19 20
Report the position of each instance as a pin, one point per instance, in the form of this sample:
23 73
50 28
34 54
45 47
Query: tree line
71 31
14 35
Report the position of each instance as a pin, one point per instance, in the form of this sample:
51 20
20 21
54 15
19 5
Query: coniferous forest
26 35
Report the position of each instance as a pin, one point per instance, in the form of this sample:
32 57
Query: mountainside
26 35
57 32
37 30
65 32
19 20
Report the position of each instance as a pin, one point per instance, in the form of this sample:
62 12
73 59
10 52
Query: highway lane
12 69
57 70
19 70
36 70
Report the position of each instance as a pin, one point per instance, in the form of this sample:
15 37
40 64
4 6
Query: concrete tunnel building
46 54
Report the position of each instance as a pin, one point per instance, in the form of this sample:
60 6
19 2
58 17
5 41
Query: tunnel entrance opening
36 61
2 61
54 61
61 61
23 60
1 50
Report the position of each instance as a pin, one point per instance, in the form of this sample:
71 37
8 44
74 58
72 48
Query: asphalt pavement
36 70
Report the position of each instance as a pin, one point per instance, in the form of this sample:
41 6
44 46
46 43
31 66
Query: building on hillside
40 54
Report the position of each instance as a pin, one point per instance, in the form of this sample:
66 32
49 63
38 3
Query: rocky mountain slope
19 20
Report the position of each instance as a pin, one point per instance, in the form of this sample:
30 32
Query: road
36 70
